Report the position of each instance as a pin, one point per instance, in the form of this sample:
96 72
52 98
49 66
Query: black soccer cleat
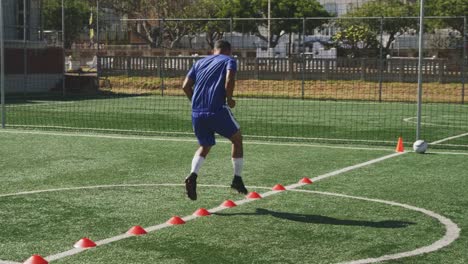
238 185
191 186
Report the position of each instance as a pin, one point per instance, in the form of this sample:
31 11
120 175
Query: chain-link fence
339 79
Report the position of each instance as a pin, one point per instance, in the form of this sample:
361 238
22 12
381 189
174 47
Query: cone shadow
319 219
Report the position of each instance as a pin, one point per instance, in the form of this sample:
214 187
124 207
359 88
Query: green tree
398 24
447 8
357 39
77 13
213 29
279 9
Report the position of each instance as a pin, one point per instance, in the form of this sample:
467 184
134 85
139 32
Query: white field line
247 142
451 234
184 98
446 153
449 138
334 173
8 262
134 137
190 133
410 120
453 145
298 100
39 103
101 129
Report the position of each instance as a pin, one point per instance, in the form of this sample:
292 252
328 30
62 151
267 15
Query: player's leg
191 180
227 126
238 162
199 158
206 140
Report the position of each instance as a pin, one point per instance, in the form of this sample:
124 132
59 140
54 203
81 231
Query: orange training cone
36 259
202 212
305 180
176 220
137 231
400 147
278 187
229 203
84 243
254 195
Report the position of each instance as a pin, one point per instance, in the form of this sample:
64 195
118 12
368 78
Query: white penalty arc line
452 230
410 120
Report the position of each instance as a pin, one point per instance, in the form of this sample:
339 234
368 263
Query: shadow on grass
35 99
319 219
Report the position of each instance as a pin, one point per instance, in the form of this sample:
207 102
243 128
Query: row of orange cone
176 220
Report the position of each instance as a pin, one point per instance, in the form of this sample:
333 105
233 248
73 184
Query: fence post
326 66
161 59
303 60
464 60
128 63
401 69
363 69
381 60
441 66
158 67
97 25
2 70
420 75
290 67
256 71
303 34
25 56
231 29
161 73
98 69
63 49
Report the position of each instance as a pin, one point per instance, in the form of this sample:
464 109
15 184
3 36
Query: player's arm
230 84
187 86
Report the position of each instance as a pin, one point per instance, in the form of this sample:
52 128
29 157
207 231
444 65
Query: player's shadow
319 219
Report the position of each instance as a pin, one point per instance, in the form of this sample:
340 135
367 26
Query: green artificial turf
289 227
343 121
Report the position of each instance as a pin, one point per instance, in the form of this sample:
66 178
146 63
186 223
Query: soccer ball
420 146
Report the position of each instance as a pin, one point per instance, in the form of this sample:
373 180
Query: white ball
420 146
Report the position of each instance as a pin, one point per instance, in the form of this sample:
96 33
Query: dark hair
222 45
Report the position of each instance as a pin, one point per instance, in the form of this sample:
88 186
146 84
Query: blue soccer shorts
206 125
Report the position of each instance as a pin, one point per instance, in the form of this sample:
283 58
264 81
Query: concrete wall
33 83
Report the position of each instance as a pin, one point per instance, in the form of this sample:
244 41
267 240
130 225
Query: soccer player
209 85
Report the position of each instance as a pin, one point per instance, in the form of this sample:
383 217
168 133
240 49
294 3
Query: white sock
238 164
197 162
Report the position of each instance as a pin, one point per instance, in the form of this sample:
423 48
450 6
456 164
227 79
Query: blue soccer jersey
209 92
